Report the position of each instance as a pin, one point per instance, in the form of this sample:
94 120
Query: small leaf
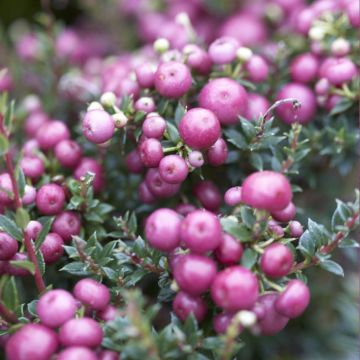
234 137
332 267
10 294
249 258
21 181
10 228
22 218
4 145
173 132
44 232
307 244
248 128
256 161
75 268
179 113
24 264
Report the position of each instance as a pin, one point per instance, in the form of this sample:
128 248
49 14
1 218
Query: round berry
67 224
217 153
108 314
98 126
196 159
6 189
185 209
235 288
32 166
29 195
221 322
50 199
14 270
304 68
185 304
145 195
296 229
257 106
68 153
194 269
55 308
173 169
34 121
33 229
133 162
145 75
162 229
229 251
223 50
232 196
267 190
257 68
151 152
208 194
198 59
201 231
276 261
51 133
158 187
52 248
8 246
108 355
286 214
340 71
154 126
89 165
145 104
76 353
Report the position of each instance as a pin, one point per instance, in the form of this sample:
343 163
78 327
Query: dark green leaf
24 264
44 232
332 267
249 258
4 145
234 137
22 218
10 228
10 294
173 132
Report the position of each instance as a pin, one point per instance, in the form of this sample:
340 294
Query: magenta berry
208 194
51 133
173 169
17 271
76 353
32 342
199 128
56 307
304 68
34 121
133 162
286 214
145 195
276 261
232 196
184 305
108 314
201 231
67 224
296 229
352 11
293 301
194 269
8 246
6 189
217 153
33 229
145 75
158 187
322 87
221 322
196 159
92 294
162 229
276 230
223 50
29 195
50 199
151 152
52 248
235 288
68 153
198 59
33 167
229 251
267 190
340 71
257 106
108 355
185 209
81 332
154 126
98 126
225 98
145 104
89 165
305 96
257 68
172 79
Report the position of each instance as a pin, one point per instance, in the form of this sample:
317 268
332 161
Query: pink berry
221 322
34 121
50 199
90 165
199 128
17 271
33 167
108 314
77 353
296 229
145 195
304 68
286 214
51 133
133 162
194 269
52 248
293 301
55 308
154 126
223 50
68 153
162 229
352 11
173 169
145 104
217 154
172 79
235 288
267 190
276 261
92 294
151 152
257 68
229 251
158 187
198 59
201 231
67 224
184 305
225 98
145 75
6 189
276 230
208 194
108 355
32 342
29 195
196 159
322 87
98 126
257 106
33 229
81 332
305 96
232 196
340 71
185 209
8 246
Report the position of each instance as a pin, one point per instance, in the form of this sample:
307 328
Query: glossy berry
217 153
162 229
108 355
194 274
32 342
98 126
201 231
221 322
199 128
52 248
34 121
267 190
232 196
257 68
92 294
223 50
296 229
145 195
154 126
76 353
286 214
172 79
235 288
293 301
133 162
68 153
67 224
51 133
198 59
257 106
158 187
145 104
33 229
6 189
81 332
340 71
89 165
29 195
208 194
56 307
225 98
229 251
173 169
32 166
50 199
8 246
151 152
196 159
276 261
304 68
145 75
184 305
108 314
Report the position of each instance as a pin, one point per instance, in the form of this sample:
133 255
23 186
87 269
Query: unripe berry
98 126
232 196
81 332
51 133
184 305
77 353
68 153
90 165
33 167
225 98
201 231
223 50
286 214
32 342
52 248
257 68
217 154
161 45
199 128
172 79
194 269
196 159
94 105
244 54
92 294
151 152
50 199
154 126
8 246
173 169
276 261
162 229
304 68
56 307
235 288
67 224
108 99
296 229
208 194
229 251
340 47
158 187
120 119
293 301
267 190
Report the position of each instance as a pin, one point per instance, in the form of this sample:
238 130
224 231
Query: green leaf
248 128
247 216
44 232
10 294
10 228
332 267
179 113
173 132
24 264
21 181
4 145
234 137
249 258
341 107
256 161
239 231
22 218
307 244
318 233
349 243
75 268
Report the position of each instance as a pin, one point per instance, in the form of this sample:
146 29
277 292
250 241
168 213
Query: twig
7 314
296 127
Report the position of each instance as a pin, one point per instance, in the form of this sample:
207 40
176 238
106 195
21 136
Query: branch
7 314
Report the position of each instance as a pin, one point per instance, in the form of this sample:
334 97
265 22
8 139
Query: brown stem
95 268
7 314
293 146
150 267
32 257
